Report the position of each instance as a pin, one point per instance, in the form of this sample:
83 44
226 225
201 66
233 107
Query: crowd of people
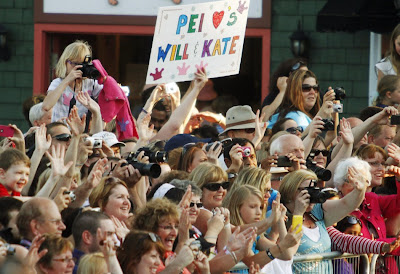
186 188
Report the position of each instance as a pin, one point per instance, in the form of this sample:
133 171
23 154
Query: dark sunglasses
309 87
197 204
216 186
353 220
297 66
318 151
293 130
249 130
63 137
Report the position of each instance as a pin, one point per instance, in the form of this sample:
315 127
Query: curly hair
155 212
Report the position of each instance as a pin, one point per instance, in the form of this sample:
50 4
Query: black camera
328 124
208 146
154 157
318 195
340 93
284 161
88 69
322 173
151 170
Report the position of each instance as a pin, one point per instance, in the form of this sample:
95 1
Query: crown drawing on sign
241 7
157 75
183 70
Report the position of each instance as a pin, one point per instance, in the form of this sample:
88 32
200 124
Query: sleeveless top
385 65
308 246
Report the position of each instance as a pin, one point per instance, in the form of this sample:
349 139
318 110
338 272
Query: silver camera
338 108
71 195
95 142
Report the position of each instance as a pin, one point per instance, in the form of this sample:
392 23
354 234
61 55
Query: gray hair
342 169
278 143
36 113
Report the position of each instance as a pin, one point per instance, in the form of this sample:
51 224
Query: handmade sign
188 37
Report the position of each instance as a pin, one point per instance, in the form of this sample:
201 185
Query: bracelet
234 257
211 237
269 254
145 111
78 164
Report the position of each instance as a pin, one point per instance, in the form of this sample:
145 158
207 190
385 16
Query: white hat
240 117
109 138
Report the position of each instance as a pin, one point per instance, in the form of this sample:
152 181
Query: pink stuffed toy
113 102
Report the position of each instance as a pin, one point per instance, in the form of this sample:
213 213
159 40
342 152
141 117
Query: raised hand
42 140
76 124
260 128
213 153
345 132
96 173
201 78
254 269
34 255
201 263
56 158
145 131
383 117
75 73
121 230
62 199
355 178
107 244
187 197
281 83
84 98
18 138
394 152
316 127
301 203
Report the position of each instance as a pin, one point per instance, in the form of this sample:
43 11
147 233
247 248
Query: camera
154 157
151 170
322 173
328 124
246 152
208 146
340 93
94 142
395 120
338 108
318 195
88 69
283 161
171 88
71 195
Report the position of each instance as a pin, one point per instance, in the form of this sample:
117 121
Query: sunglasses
249 130
318 151
197 204
63 137
309 87
216 186
353 220
297 66
293 130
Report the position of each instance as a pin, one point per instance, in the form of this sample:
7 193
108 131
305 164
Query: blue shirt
308 246
299 117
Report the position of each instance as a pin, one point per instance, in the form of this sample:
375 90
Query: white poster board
188 37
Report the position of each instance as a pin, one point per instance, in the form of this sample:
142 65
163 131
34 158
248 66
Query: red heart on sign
217 18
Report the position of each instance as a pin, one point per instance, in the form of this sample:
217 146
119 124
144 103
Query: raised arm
181 113
269 110
335 210
53 95
97 124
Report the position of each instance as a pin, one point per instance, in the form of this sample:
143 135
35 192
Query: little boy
14 172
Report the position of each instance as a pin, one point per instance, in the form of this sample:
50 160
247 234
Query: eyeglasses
196 204
65 137
293 130
65 260
168 227
308 88
217 186
353 220
318 151
297 66
55 221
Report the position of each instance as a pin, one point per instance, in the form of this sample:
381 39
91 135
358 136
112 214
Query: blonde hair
238 197
73 52
291 183
252 176
206 173
92 263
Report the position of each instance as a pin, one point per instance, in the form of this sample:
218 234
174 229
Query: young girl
388 91
69 80
390 65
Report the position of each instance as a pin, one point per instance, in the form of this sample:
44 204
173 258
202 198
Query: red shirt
4 192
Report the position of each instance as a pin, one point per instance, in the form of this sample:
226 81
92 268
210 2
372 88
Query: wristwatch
269 254
232 175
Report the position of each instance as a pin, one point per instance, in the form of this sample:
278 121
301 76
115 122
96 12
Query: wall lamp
4 50
299 43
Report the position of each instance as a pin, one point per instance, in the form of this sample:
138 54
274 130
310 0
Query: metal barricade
385 264
324 263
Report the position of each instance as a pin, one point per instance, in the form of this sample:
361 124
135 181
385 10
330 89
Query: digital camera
88 69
